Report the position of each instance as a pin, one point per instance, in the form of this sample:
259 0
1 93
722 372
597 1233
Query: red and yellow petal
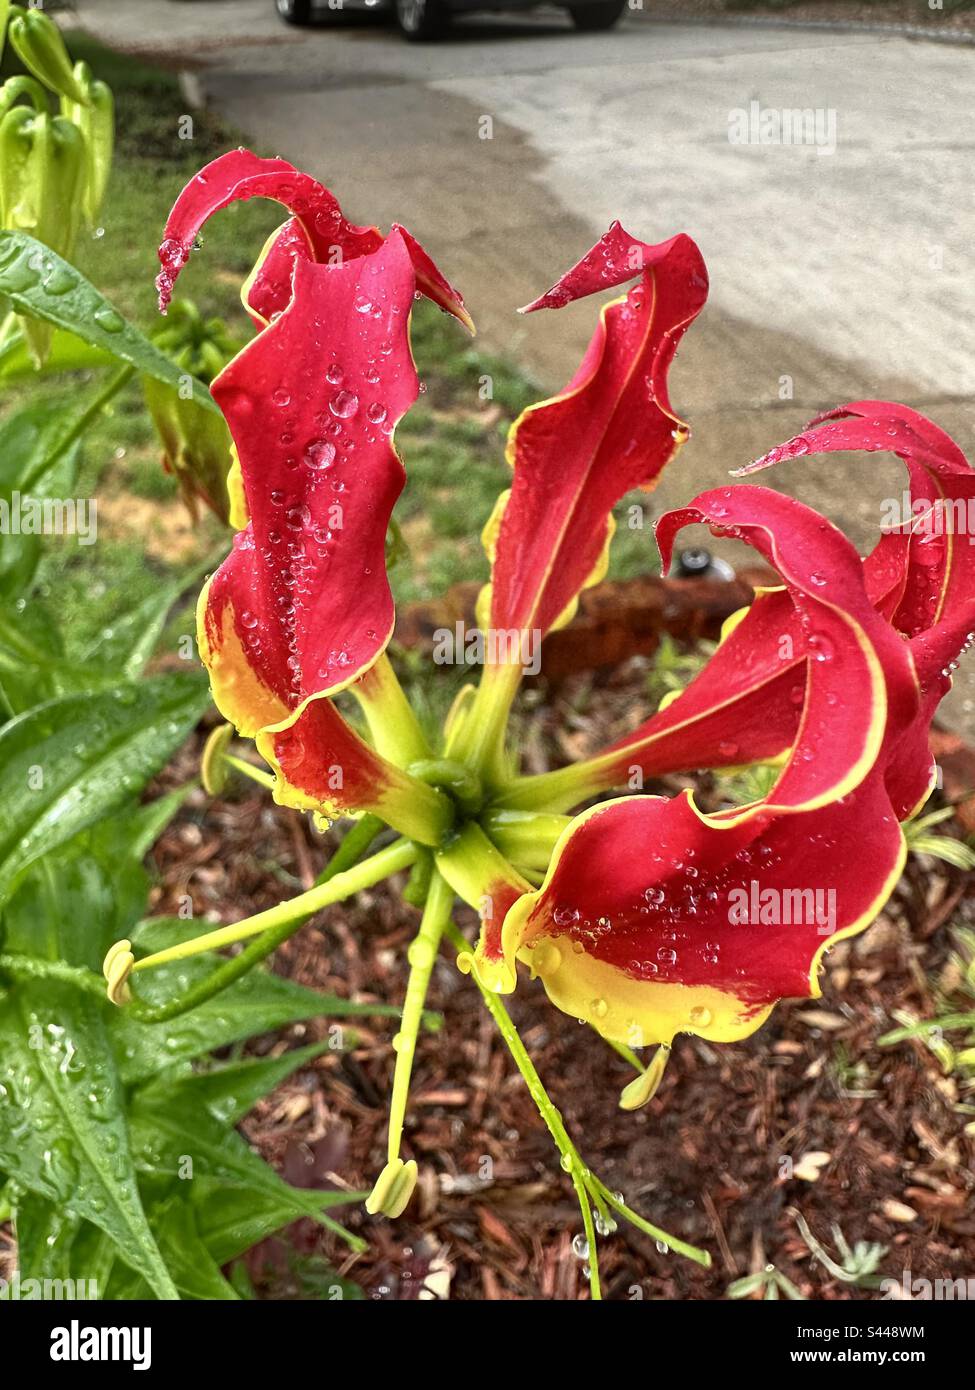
301 608
924 563
609 430
655 919
317 231
858 674
321 764
935 653
311 404
810 675
483 878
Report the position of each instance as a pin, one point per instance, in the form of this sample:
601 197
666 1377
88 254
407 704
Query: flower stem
588 1187
388 861
526 838
627 1054
479 738
33 968
349 852
422 955
256 774
77 427
571 1162
395 729
690 1252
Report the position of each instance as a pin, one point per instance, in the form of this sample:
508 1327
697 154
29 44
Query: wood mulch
716 1158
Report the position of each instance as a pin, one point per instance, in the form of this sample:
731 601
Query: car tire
294 11
592 18
422 21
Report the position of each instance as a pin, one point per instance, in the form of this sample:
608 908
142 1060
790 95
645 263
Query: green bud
22 86
37 41
196 442
42 170
196 448
96 121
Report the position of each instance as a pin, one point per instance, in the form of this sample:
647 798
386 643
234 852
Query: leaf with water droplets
31 463
72 760
63 1133
28 269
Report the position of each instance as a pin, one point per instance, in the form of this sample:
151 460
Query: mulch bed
705 1159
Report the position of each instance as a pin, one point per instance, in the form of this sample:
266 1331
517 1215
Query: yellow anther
393 1189
116 967
214 770
643 1088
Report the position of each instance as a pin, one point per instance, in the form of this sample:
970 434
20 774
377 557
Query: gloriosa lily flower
652 916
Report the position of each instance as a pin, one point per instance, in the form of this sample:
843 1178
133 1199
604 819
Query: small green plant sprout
771 1281
857 1265
955 1005
958 853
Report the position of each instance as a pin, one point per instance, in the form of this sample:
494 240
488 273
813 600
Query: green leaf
45 1234
233 1219
93 1257
259 1002
230 1091
62 1129
67 354
31 464
195 1272
70 761
33 667
68 909
139 828
128 644
38 282
181 1138
72 907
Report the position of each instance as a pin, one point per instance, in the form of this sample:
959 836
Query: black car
423 20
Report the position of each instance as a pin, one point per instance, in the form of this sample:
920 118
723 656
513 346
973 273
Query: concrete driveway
841 265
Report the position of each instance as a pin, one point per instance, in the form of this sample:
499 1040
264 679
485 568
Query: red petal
242 175
935 652
636 927
321 764
859 673
311 403
920 570
318 231
609 430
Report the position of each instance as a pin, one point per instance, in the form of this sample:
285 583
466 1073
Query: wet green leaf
40 283
70 761
63 1133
